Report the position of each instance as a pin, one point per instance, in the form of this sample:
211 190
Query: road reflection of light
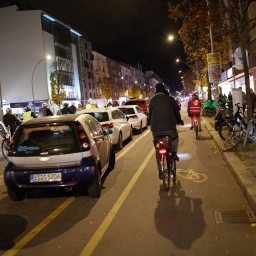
184 156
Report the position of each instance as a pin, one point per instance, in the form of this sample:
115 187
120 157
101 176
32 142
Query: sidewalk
243 176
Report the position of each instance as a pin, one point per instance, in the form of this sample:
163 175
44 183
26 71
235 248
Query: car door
142 116
101 140
119 117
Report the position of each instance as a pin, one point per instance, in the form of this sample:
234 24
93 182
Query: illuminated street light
171 38
32 85
178 60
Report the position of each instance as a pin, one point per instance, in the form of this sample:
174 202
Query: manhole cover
240 216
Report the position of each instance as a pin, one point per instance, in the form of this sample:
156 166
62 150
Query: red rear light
79 128
162 151
109 125
133 116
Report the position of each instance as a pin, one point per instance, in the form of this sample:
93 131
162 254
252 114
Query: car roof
90 110
53 119
128 106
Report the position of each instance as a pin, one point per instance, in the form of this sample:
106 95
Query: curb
245 179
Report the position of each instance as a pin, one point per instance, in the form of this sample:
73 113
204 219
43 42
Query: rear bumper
73 176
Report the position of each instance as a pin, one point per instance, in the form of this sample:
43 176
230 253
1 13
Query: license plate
45 177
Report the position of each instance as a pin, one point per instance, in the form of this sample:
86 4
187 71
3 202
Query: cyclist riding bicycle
163 117
194 109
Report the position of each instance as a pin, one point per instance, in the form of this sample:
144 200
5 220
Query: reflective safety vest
195 107
27 116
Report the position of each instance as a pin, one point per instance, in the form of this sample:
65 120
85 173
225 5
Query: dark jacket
161 113
65 111
45 112
12 121
72 109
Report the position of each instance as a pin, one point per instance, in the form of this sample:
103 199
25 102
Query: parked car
136 117
143 104
114 119
68 151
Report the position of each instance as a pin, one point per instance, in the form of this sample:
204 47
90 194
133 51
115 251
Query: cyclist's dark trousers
173 134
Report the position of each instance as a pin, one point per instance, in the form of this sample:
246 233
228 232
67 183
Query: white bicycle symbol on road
191 175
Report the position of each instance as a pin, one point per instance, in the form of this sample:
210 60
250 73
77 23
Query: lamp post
32 85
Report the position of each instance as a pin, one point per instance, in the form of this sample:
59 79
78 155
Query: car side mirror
127 118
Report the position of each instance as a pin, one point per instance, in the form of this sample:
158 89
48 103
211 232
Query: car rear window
127 111
100 116
46 140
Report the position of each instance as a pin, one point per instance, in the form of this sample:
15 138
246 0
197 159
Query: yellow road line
27 238
21 243
130 146
93 242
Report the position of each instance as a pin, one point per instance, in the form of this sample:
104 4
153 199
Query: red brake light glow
109 125
133 116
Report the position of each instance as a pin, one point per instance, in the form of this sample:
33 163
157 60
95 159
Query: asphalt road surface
205 213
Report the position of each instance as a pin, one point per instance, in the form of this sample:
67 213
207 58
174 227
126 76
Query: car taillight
133 116
109 125
79 127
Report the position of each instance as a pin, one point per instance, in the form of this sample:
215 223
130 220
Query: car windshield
47 139
127 111
100 116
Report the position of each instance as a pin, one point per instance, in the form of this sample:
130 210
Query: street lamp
171 38
32 85
178 60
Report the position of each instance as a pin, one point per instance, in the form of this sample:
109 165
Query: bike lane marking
23 241
27 238
95 239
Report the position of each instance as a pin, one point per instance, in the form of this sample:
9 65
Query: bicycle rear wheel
232 141
173 171
196 131
166 173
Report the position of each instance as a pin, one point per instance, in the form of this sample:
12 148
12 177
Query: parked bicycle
225 112
167 163
236 122
5 133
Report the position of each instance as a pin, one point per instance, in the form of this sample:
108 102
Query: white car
114 119
136 116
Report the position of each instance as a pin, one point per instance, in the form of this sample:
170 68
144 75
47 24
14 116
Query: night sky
129 31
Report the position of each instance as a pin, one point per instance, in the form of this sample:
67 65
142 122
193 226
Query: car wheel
131 135
141 129
15 195
112 160
95 190
119 144
146 126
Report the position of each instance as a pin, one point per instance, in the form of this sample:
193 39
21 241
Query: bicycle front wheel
232 141
226 128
